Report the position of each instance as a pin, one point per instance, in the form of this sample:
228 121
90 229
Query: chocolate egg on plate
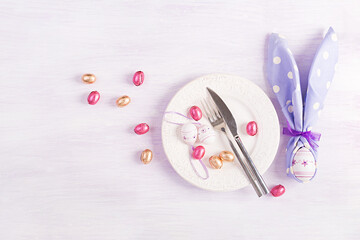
227 156
215 162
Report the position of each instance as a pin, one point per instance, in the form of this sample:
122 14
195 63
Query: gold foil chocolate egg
227 156
146 156
215 162
123 101
88 78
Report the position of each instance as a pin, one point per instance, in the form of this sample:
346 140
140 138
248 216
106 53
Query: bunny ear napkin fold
301 116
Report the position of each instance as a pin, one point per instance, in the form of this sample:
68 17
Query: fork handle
251 164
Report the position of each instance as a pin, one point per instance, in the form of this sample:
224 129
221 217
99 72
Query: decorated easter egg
195 112
206 134
141 128
227 156
278 190
251 128
146 156
215 162
93 97
198 152
188 133
303 165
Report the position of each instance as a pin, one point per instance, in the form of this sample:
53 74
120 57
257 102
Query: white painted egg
188 133
206 134
303 165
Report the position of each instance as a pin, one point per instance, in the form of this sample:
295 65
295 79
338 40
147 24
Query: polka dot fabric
283 76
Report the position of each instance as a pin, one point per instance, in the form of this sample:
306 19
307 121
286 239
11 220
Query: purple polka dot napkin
283 76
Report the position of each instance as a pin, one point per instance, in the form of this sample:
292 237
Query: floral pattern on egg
303 165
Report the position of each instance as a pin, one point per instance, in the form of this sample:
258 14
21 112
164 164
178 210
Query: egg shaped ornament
195 113
206 134
188 133
303 165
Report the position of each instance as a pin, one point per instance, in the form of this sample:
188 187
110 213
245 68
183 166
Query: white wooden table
69 170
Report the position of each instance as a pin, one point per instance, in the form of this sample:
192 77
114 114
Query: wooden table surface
69 170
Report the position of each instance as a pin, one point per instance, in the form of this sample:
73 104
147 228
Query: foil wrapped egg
138 78
93 97
278 190
198 152
88 78
206 134
188 133
195 113
215 162
252 128
227 156
141 128
146 156
123 101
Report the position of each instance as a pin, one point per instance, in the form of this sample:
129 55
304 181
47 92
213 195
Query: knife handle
243 165
251 164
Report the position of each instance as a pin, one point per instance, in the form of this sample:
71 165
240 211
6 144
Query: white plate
247 102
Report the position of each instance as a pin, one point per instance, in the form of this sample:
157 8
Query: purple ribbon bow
311 137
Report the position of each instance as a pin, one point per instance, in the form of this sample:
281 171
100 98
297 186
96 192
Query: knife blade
225 112
231 124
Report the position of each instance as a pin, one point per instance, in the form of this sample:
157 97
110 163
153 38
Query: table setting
179 120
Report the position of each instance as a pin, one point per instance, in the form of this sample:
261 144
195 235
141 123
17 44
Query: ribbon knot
311 137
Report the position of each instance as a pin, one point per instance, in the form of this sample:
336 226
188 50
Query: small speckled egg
188 133
303 165
206 134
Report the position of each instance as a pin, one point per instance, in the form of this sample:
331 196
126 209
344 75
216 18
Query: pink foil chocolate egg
93 97
195 113
251 128
198 152
138 78
141 128
278 190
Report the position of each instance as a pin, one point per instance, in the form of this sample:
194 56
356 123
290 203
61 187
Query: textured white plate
247 102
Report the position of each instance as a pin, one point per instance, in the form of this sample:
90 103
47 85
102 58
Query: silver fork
218 123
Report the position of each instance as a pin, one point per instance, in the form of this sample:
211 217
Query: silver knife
231 123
